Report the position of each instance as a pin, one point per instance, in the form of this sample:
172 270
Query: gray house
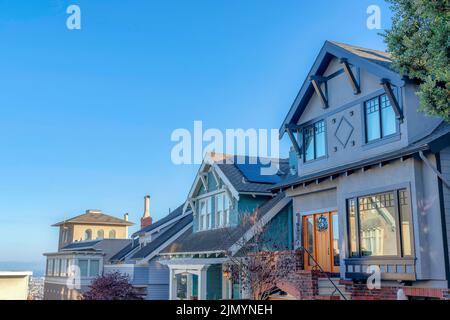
139 259
372 188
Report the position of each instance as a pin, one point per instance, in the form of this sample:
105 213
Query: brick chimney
146 219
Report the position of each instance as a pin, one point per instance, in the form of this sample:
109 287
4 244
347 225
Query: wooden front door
320 238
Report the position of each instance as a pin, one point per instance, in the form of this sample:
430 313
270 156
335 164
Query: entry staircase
329 287
328 291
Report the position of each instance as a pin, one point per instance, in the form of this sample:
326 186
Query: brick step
327 298
326 288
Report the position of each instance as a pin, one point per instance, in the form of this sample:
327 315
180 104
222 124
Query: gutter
355 166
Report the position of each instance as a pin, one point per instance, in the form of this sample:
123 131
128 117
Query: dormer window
222 210
380 118
204 214
314 141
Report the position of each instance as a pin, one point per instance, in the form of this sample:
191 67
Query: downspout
441 179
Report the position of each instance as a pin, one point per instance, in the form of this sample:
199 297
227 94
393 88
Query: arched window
100 234
112 234
88 234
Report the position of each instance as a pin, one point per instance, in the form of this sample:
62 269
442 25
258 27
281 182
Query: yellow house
92 225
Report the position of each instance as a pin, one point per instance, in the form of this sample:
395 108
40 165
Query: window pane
181 286
88 234
56 270
68 269
388 122
405 220
219 209
220 202
352 225
309 143
208 213
50 267
226 202
372 119
335 231
378 230
94 268
226 217
83 265
310 239
319 128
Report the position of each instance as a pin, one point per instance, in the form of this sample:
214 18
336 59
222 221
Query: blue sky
86 115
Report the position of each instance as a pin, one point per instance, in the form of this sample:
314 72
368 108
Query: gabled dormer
227 187
351 107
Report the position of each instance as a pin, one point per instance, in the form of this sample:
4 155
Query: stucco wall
56 291
346 110
79 229
411 174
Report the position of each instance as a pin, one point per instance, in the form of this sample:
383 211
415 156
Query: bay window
380 225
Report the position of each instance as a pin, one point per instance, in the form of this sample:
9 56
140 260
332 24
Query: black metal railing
327 275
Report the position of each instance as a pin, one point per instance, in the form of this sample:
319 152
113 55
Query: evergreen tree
419 43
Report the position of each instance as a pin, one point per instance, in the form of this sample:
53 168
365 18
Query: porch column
189 287
172 285
202 278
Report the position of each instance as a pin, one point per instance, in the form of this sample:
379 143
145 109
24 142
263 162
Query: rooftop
95 217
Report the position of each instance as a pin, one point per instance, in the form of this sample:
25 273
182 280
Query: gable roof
95 217
241 174
167 219
218 239
159 241
119 256
376 62
244 181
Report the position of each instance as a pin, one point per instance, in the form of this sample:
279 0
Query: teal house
226 192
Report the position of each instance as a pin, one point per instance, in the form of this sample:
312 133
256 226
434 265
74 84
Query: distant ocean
38 268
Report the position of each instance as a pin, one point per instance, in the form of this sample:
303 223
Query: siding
445 169
141 275
157 273
158 281
278 233
158 292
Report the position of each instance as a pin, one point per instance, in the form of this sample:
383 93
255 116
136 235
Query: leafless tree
260 259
